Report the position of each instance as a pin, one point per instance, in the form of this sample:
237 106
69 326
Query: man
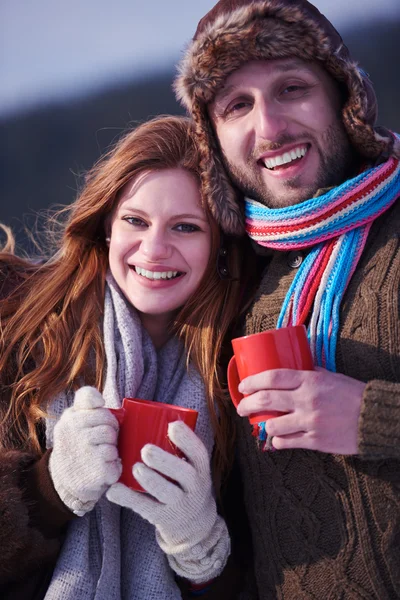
282 108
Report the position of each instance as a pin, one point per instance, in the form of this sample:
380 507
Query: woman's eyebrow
127 206
143 213
198 217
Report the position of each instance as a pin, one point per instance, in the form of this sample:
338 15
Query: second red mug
285 348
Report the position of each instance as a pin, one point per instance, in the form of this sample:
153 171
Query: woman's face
160 241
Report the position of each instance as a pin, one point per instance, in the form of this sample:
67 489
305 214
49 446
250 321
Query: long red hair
51 335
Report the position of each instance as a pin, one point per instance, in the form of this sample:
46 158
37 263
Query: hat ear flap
218 192
360 112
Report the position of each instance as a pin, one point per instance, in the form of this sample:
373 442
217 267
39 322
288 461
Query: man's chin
261 191
281 199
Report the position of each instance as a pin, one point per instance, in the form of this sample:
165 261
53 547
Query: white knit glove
84 461
188 529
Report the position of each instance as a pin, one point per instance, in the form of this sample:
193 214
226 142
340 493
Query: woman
136 272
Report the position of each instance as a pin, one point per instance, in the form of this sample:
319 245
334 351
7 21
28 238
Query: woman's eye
135 221
186 228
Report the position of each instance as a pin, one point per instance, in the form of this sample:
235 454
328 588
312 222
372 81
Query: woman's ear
107 229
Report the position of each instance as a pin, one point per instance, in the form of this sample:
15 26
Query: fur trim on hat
238 31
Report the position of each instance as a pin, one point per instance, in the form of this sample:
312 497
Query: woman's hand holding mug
188 529
84 461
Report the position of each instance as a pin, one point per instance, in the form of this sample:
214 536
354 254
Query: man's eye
236 107
186 228
294 90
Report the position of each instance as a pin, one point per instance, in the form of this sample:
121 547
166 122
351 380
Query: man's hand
323 408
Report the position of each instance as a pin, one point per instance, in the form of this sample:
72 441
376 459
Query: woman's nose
155 246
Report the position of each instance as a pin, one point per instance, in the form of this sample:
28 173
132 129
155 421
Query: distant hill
42 153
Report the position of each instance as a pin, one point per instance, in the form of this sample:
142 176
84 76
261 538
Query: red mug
285 348
146 422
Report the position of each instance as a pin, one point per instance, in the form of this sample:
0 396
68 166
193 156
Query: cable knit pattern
381 403
328 526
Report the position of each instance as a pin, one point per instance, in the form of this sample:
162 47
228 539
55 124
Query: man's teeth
285 158
156 274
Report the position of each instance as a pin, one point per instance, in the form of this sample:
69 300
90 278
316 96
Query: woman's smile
155 278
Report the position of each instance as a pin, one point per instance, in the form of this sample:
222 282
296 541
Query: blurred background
75 73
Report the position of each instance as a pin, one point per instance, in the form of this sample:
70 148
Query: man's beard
337 163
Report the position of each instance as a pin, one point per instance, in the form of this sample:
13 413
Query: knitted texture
380 403
328 526
189 530
336 226
84 461
112 553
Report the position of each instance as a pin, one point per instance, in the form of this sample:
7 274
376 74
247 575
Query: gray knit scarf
111 553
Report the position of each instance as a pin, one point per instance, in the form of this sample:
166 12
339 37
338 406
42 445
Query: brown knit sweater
328 526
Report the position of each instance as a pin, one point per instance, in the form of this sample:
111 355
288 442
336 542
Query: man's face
280 131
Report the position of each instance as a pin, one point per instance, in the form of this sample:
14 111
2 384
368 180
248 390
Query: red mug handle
233 382
119 413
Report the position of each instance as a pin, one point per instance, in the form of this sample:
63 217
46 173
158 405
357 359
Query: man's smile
278 160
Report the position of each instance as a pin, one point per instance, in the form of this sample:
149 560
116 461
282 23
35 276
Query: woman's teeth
285 158
156 274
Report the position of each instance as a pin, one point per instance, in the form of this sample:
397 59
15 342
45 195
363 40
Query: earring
222 260
108 240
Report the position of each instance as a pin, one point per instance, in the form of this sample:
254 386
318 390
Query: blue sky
51 49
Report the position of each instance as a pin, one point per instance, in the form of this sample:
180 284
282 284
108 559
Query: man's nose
269 121
155 245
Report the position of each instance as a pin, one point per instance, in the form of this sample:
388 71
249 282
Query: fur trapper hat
237 31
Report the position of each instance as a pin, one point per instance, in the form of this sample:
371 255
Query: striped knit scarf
335 225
